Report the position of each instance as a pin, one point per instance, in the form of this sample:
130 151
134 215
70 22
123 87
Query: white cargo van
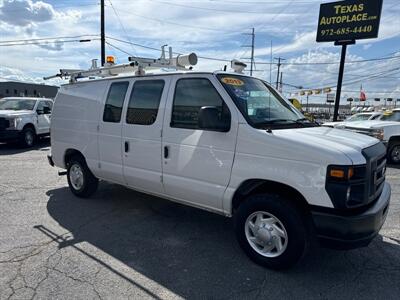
229 144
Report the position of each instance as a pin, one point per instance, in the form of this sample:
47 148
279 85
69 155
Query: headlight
346 185
378 133
14 122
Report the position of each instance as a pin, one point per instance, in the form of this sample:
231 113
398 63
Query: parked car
24 119
229 144
357 117
392 115
386 131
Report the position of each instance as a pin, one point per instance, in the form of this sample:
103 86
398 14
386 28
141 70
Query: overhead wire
49 38
120 22
48 42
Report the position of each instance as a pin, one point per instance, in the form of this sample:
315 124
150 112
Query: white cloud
26 12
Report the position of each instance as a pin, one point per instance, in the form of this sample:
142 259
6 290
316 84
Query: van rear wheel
81 181
271 231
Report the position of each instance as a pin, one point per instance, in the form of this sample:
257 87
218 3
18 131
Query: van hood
329 140
14 113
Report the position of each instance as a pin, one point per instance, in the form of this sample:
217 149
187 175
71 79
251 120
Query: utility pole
270 66
252 50
279 66
280 83
102 34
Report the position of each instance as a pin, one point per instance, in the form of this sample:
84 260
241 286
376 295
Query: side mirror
210 119
40 111
46 110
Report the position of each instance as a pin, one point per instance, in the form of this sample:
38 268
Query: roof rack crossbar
137 64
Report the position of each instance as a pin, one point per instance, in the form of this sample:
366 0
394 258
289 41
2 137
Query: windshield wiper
273 121
304 122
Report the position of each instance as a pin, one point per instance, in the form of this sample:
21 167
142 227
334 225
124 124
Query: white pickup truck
226 143
387 129
24 119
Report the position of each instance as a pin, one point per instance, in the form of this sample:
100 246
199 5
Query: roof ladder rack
138 65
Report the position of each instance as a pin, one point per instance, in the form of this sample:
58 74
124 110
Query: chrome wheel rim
29 138
395 154
266 234
76 176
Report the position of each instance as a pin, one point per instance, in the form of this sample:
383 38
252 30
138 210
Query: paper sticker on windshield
232 81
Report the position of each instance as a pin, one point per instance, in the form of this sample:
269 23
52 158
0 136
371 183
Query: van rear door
141 134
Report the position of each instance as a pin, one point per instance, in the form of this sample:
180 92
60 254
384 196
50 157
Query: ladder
137 65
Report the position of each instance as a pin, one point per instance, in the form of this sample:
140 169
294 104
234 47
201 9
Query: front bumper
340 231
9 135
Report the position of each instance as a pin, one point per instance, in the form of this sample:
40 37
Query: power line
119 49
49 38
48 42
176 24
157 49
263 63
120 22
207 8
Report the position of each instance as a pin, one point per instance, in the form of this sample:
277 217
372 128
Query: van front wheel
271 231
81 181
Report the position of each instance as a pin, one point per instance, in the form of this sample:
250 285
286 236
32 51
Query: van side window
191 95
144 102
114 102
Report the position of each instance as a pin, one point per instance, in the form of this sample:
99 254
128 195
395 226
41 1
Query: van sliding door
141 134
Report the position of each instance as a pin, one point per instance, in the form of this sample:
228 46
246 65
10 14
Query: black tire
28 137
293 221
89 181
393 152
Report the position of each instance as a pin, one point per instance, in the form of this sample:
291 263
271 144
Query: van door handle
126 146
166 151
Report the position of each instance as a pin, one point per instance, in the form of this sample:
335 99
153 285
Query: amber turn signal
341 174
336 173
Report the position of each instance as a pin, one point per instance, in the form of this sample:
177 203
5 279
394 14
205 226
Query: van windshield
17 104
261 106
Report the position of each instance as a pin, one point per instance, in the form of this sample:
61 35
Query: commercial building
18 89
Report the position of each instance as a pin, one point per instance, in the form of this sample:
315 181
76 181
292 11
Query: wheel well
261 186
29 125
394 139
71 153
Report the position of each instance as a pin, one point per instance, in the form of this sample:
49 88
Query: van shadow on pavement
41 144
194 253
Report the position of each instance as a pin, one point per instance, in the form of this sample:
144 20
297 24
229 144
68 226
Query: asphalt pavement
121 244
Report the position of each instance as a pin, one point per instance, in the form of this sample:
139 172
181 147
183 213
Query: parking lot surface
121 244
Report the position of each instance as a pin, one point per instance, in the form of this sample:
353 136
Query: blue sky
211 28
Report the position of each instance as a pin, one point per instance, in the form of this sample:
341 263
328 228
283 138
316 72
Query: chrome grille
4 123
376 169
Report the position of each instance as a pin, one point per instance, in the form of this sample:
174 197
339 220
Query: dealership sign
349 20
